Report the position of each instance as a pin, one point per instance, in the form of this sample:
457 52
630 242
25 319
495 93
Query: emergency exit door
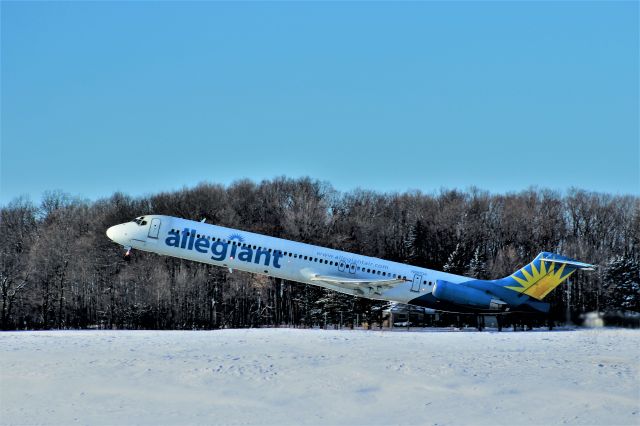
154 228
417 279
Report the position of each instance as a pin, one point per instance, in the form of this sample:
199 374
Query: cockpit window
139 221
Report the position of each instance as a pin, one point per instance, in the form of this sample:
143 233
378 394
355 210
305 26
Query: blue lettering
173 239
267 257
219 250
276 257
192 236
183 244
246 254
202 245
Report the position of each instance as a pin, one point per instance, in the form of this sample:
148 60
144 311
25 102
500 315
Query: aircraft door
154 228
352 268
341 266
417 279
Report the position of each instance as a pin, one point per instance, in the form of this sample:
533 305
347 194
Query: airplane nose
112 233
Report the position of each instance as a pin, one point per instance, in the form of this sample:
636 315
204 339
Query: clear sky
143 97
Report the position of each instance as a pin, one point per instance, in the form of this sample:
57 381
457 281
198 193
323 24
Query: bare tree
58 268
18 230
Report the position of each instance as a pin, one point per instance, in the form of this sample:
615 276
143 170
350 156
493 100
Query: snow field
290 376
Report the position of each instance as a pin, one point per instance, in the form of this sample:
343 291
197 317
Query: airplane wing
361 285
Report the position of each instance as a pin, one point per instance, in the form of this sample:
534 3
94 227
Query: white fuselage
275 257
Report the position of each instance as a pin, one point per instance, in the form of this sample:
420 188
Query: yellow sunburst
538 283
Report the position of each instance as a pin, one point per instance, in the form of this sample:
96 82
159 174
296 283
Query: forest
59 270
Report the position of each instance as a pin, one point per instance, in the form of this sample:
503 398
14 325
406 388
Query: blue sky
144 97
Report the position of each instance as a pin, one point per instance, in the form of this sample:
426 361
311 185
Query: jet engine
462 295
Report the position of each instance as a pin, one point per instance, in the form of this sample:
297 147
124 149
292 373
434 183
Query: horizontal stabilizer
578 265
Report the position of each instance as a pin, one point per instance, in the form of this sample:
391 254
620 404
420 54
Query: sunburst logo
236 237
538 278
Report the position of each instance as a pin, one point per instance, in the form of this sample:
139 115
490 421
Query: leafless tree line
59 270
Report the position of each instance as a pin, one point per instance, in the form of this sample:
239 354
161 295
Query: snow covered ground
287 376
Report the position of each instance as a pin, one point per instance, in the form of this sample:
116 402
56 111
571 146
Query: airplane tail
543 274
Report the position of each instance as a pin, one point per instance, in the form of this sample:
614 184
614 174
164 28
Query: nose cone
113 233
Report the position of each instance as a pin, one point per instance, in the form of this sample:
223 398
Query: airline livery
345 272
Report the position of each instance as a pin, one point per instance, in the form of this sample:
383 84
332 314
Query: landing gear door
154 228
417 279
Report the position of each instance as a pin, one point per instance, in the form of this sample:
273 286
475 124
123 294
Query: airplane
354 274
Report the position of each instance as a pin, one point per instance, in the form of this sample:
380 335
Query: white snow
288 376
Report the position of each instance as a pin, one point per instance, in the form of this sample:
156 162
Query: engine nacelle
463 295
